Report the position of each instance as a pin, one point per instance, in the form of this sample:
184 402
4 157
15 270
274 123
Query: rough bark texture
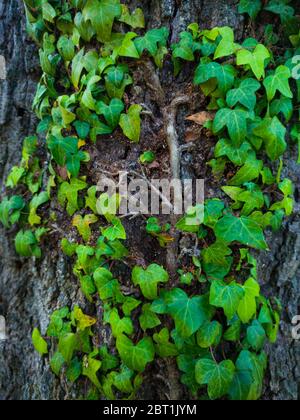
31 290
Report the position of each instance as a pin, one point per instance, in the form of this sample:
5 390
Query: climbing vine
214 319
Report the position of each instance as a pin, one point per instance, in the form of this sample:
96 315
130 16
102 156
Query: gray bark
30 290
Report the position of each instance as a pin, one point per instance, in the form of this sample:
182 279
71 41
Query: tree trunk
30 290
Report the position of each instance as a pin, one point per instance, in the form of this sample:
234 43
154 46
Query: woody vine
209 316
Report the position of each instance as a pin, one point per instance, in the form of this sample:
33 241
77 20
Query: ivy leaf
90 367
56 363
236 122
247 306
111 112
149 279
66 48
91 199
152 41
209 334
83 225
218 377
217 261
15 176
10 210
244 94
163 346
116 231
77 68
120 325
256 59
248 381
284 106
131 123
39 343
82 129
256 335
279 81
48 12
227 45
237 156
105 283
243 230
83 321
27 245
188 313
37 201
249 172
135 357
251 7
223 74
226 296
135 19
69 192
74 370
280 7
67 345
273 133
102 15
148 319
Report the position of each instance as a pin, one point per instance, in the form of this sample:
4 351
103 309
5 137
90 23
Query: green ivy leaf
251 7
218 377
66 48
136 357
247 306
226 296
120 325
15 176
69 192
39 343
227 45
223 74
256 335
27 245
273 133
102 14
209 334
116 231
243 230
135 19
149 279
10 210
280 7
131 123
111 112
67 345
56 363
245 94
249 172
255 60
236 122
279 81
148 319
105 283
37 201
90 367
163 346
238 156
152 41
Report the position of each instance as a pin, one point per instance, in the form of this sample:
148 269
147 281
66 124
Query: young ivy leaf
116 231
244 94
135 19
218 377
279 81
26 244
39 343
238 156
135 357
105 283
247 306
131 123
163 346
102 15
83 225
148 319
251 7
69 192
256 335
149 279
36 202
90 367
120 325
243 230
227 45
236 122
209 334
256 59
248 172
152 41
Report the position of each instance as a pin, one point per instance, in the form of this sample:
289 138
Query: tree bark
30 290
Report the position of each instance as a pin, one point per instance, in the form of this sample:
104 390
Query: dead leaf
202 117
